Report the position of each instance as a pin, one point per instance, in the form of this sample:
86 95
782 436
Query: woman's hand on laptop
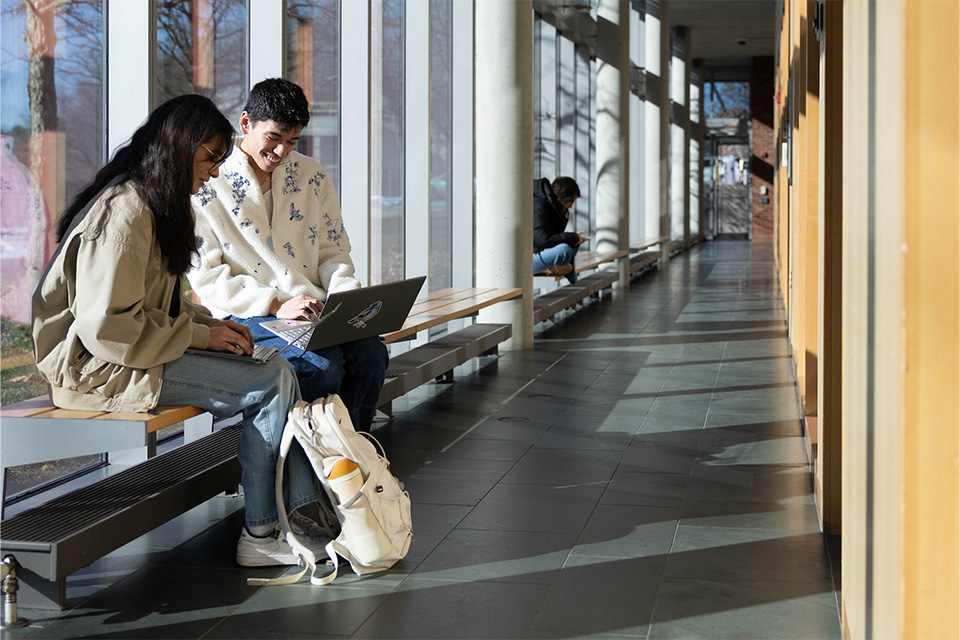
227 335
296 308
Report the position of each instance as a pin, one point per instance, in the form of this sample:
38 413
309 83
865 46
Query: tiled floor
640 473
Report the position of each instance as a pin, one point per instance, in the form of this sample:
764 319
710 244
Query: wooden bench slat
451 308
587 260
27 408
72 414
160 418
645 243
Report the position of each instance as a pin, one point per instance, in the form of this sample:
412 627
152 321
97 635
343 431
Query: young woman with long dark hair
111 327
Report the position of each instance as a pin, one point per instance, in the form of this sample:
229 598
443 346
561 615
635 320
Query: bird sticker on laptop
361 319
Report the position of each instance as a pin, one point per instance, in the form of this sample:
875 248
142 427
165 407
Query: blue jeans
263 393
554 257
353 370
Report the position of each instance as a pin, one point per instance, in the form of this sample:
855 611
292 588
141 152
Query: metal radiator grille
84 507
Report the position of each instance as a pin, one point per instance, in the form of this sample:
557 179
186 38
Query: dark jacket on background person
549 221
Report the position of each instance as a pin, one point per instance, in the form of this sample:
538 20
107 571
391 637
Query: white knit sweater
238 273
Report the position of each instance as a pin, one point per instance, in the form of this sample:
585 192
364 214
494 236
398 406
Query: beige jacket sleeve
123 296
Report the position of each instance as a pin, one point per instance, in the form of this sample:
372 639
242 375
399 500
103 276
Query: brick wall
763 142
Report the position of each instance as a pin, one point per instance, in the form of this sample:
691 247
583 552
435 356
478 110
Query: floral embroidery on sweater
239 184
206 195
290 179
295 213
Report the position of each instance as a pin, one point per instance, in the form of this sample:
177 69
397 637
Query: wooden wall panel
930 538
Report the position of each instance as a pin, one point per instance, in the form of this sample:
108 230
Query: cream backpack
370 503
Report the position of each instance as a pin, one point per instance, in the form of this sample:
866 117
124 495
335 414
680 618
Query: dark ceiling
727 33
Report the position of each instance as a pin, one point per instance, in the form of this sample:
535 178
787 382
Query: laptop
261 353
352 315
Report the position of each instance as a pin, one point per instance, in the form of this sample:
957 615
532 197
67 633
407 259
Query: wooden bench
437 359
640 258
548 304
589 260
58 537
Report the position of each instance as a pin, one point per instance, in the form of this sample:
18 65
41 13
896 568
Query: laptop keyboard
290 333
261 352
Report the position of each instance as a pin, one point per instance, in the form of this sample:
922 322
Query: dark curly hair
159 161
279 100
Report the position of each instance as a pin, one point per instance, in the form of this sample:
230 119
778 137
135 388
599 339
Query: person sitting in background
273 245
554 249
111 327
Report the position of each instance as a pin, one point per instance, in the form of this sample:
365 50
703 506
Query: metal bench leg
3 494
137 455
196 427
386 409
446 377
39 593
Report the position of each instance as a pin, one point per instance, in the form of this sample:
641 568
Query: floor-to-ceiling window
52 81
386 141
51 126
313 62
441 129
201 48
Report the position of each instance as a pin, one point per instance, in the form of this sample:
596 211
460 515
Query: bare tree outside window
313 62
201 48
51 73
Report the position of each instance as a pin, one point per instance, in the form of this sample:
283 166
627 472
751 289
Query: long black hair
159 161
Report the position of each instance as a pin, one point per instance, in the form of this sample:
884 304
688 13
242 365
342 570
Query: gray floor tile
764 555
448 486
749 515
621 531
602 595
301 611
469 555
436 609
583 438
564 467
471 448
506 427
750 483
690 608
646 489
645 456
525 507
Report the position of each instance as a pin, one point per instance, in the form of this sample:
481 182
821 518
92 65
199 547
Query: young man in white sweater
273 245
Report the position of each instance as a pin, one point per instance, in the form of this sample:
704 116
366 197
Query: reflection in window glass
441 127
51 125
386 141
313 62
51 78
201 48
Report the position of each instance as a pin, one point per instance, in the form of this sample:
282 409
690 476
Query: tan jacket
101 325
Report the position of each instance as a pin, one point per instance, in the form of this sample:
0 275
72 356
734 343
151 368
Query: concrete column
613 132
504 125
657 134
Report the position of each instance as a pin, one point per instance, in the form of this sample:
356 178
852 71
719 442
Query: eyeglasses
216 163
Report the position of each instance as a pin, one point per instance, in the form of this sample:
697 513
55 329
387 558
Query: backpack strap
307 558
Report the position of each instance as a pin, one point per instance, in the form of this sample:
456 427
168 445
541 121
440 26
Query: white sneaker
269 551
